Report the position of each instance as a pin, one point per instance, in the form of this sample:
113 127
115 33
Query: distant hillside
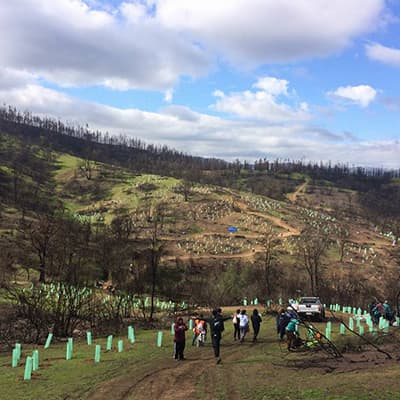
271 178
77 210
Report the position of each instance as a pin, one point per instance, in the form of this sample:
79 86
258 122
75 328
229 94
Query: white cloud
69 43
150 44
272 85
11 78
361 95
206 135
168 95
262 104
386 55
266 31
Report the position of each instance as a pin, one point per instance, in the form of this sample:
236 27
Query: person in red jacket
179 338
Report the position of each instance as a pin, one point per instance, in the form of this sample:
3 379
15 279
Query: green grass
77 377
256 372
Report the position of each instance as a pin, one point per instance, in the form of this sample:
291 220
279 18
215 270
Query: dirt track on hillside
171 380
292 197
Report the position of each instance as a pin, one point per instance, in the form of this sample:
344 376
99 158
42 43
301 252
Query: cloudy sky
304 79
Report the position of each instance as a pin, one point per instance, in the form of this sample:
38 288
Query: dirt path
292 197
171 380
290 231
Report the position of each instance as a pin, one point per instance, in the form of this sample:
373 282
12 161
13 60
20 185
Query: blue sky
242 79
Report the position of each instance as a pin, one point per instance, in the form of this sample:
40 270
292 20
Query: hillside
193 221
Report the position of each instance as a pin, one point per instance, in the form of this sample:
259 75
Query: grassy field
260 371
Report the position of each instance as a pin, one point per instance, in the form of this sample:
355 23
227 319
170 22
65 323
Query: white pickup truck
311 307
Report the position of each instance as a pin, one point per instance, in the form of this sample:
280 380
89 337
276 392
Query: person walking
217 327
236 330
243 325
179 339
282 320
291 333
195 331
255 322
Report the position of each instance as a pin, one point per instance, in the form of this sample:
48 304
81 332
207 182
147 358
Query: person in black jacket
256 321
217 327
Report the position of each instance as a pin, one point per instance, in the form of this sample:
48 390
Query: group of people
241 325
216 325
286 325
378 310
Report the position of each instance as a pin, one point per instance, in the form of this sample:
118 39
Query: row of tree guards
32 362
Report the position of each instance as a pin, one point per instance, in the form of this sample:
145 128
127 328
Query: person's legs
256 330
290 338
179 350
242 333
176 345
216 340
194 339
182 349
236 333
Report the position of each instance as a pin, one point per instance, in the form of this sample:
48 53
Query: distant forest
273 178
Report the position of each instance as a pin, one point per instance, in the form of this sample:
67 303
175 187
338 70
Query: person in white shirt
243 325
235 320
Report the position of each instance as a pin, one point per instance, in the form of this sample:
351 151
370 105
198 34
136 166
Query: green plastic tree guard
361 330
130 334
35 360
329 326
89 338
172 329
159 339
351 323
120 346
15 359
190 324
71 343
256 301
328 333
342 329
28 369
245 302
109 343
18 348
48 341
68 354
386 326
97 353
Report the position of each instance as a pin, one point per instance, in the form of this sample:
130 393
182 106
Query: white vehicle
311 307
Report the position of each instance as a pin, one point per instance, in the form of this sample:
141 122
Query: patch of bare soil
171 380
368 359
